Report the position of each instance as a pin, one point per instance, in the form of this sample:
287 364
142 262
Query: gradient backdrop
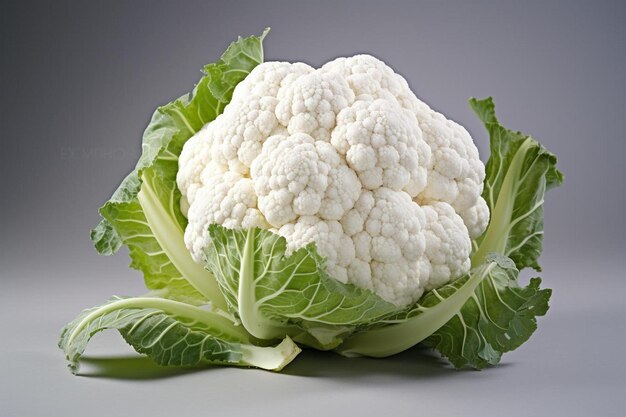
79 81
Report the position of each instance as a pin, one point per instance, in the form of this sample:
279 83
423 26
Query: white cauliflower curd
345 156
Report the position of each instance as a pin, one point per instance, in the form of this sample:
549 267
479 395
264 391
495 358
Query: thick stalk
270 358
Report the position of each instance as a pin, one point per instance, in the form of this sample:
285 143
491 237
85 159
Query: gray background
79 81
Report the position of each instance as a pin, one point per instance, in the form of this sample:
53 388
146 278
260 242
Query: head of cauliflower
347 157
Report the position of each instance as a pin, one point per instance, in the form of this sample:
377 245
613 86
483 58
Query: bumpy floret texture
347 157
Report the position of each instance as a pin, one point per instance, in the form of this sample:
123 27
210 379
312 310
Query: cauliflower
323 208
347 157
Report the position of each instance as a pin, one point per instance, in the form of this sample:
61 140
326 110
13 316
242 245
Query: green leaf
471 321
234 66
173 333
277 294
415 324
144 212
519 172
499 317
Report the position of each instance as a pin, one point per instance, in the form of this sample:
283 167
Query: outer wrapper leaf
276 293
499 317
174 334
471 321
519 172
144 212
234 65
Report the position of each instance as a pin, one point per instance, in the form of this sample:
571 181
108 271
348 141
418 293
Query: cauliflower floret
456 173
268 78
330 241
387 230
298 176
347 157
250 117
311 103
238 138
369 77
193 159
383 146
476 218
226 198
447 244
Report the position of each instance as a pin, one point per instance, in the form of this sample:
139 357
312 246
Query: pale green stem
170 307
497 234
396 338
270 358
250 316
170 237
